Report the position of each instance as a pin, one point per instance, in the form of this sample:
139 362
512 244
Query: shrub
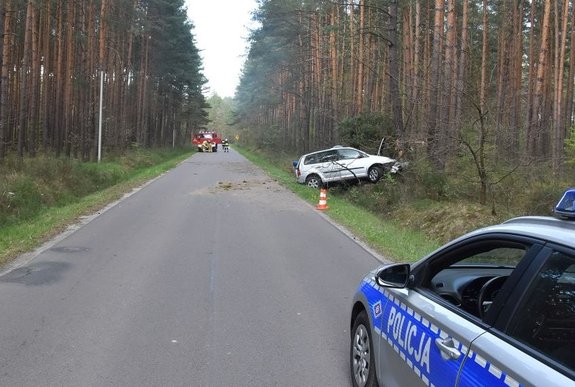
366 131
30 185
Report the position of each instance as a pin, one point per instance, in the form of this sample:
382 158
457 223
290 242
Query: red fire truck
206 141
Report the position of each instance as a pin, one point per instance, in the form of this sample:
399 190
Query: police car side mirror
394 276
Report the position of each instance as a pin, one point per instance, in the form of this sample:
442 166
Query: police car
495 307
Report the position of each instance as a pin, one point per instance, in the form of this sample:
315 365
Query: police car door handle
447 348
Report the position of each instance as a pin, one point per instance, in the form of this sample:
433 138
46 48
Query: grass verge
386 236
18 237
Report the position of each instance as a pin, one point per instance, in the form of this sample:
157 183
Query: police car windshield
507 257
482 264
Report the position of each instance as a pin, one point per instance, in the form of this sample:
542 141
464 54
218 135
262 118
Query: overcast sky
221 31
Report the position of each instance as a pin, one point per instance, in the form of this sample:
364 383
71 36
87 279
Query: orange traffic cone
322 205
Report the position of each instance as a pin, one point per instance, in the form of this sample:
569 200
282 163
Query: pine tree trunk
47 81
516 113
415 90
434 142
570 77
450 86
560 125
482 106
34 83
534 134
503 80
25 91
352 62
460 83
394 76
333 54
360 59
4 7
60 77
69 103
90 142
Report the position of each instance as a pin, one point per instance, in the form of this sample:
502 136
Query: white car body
340 163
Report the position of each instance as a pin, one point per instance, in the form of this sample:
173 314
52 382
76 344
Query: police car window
506 256
461 277
545 319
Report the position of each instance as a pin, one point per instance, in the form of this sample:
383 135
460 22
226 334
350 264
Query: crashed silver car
340 163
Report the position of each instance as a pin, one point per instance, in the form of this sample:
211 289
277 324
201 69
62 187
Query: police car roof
542 227
545 228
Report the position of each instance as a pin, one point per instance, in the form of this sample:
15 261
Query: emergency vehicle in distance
206 141
495 307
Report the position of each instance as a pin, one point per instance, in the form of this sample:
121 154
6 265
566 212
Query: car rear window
311 159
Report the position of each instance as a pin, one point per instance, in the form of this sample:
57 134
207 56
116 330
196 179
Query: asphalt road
211 275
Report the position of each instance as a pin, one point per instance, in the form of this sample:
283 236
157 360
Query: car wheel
313 181
374 174
361 357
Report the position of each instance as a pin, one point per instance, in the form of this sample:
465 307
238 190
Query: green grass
48 207
404 217
386 236
48 195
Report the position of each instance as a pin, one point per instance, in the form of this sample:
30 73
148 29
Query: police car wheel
361 356
374 174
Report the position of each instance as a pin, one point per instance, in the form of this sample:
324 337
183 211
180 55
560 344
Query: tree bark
450 86
25 75
4 7
394 76
534 133
34 83
59 80
69 102
460 82
359 93
47 81
435 149
560 127
570 77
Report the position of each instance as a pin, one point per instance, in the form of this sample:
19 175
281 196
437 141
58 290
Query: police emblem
377 309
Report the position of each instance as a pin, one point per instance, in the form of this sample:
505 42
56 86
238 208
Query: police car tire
374 174
362 332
